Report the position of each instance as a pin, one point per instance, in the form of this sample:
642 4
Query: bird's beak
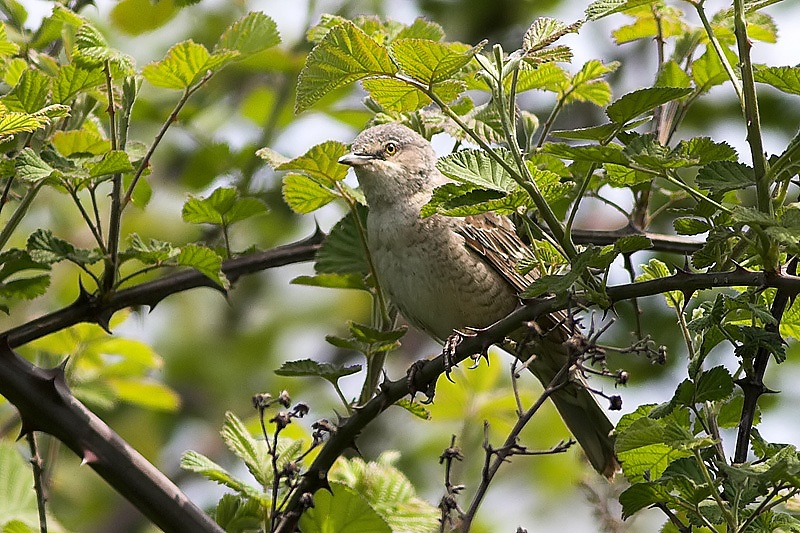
355 160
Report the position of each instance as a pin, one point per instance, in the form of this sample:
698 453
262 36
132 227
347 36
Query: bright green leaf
206 261
136 17
320 162
304 194
73 80
186 64
478 168
786 79
346 54
430 61
113 162
146 394
86 141
250 34
342 511
631 105
342 252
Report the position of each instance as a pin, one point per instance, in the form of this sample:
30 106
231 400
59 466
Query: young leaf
346 54
587 85
204 260
320 162
304 194
47 249
603 8
631 105
395 94
332 281
431 61
222 207
543 32
30 94
713 385
657 269
113 162
476 167
342 510
186 64
86 141
591 153
92 50
307 367
723 176
12 123
250 34
253 452
786 79
73 80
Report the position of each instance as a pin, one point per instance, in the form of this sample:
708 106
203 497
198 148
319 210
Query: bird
446 274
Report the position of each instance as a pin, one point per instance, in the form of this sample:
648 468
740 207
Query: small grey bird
445 273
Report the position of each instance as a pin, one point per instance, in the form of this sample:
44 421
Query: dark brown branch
45 403
661 242
88 308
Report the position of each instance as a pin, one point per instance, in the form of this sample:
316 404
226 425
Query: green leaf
342 251
152 252
673 75
690 226
546 77
478 168
32 168
332 281
186 64
320 162
543 32
633 243
631 105
92 50
655 269
222 207
253 452
464 199
707 70
431 61
713 385
7 48
786 79
206 261
147 394
643 451
557 284
388 492
592 133
703 150
235 513
17 498
86 141
304 194
113 162
73 80
421 28
603 8
591 153
342 510
136 17
30 94
12 123
47 249
250 34
395 94
586 85
198 463
723 176
415 408
307 367
642 495
346 54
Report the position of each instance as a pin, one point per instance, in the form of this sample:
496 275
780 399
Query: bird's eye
390 148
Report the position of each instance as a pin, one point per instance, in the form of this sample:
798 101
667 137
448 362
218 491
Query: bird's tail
583 415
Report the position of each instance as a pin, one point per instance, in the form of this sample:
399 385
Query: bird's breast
434 279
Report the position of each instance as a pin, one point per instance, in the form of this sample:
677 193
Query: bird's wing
494 239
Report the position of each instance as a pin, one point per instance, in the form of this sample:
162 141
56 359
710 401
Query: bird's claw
411 380
452 343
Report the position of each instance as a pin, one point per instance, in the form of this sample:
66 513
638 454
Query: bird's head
393 162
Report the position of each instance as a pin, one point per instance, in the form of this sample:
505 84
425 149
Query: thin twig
38 486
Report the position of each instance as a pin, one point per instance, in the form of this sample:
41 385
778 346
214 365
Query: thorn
89 457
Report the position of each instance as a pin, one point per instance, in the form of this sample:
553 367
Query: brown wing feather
493 238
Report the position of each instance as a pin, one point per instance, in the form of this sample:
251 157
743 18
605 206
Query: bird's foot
411 379
452 343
